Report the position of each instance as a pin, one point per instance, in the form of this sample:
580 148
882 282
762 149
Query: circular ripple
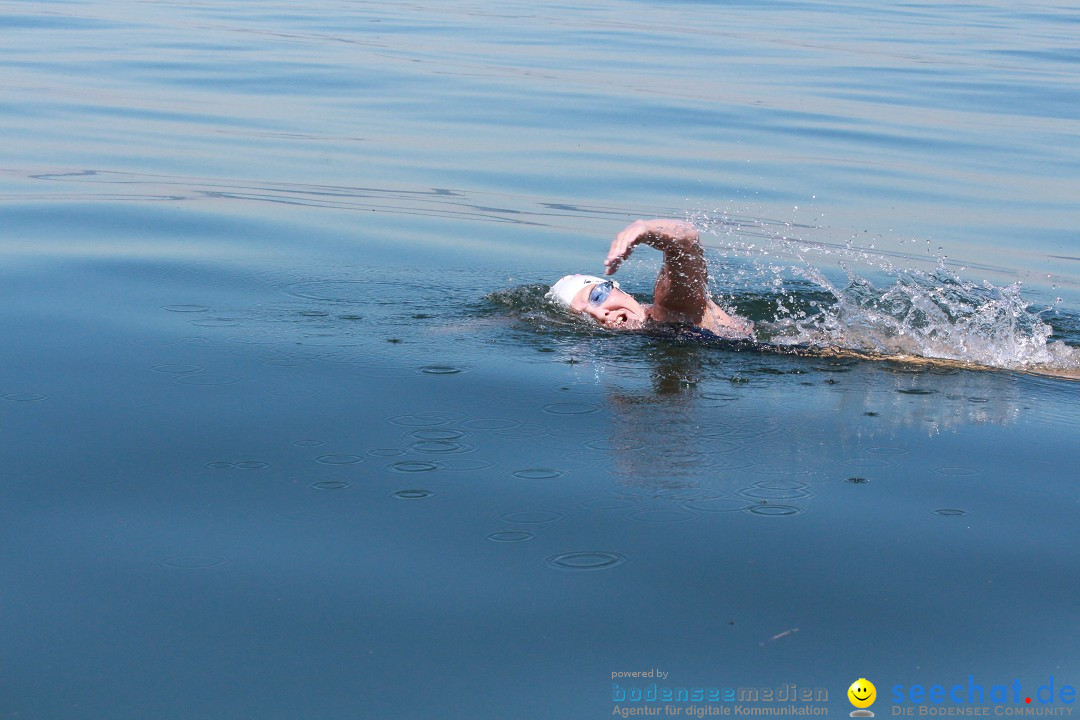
762 493
783 468
216 322
775 510
440 370
490 424
193 562
867 462
717 505
330 485
220 465
465 464
571 408
177 369
338 459
185 308
291 392
950 512
916 391
661 516
719 396
386 452
607 504
422 419
25 397
520 432
532 517
538 473
251 464
207 379
956 471
586 560
412 494
413 466
510 536
441 447
888 451
308 443
777 490
437 434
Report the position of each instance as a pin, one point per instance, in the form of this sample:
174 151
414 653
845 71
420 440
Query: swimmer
680 298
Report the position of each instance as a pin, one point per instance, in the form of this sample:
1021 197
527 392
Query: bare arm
681 292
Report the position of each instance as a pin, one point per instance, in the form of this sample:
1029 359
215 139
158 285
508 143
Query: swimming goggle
600 292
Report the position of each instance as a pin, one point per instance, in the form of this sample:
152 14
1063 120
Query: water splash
909 313
806 295
934 315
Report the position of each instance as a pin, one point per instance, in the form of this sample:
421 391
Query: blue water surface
288 431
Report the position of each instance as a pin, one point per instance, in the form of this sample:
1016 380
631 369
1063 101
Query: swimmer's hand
672 237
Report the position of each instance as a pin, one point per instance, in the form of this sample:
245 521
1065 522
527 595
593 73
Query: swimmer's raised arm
681 292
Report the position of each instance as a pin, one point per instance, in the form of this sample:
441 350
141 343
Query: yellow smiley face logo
862 693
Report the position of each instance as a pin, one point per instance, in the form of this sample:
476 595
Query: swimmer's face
609 306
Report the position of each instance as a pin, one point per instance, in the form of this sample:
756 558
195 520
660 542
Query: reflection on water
284 411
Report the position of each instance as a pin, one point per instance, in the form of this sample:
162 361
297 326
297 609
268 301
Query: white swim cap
564 291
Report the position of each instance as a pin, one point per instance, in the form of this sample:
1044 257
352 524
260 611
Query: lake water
288 429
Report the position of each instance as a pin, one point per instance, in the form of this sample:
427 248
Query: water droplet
916 391
586 560
607 504
520 432
661 516
193 562
25 397
413 494
538 473
330 485
386 452
216 322
717 505
177 369
338 459
459 464
888 451
771 510
422 419
206 379
490 424
291 392
777 490
441 447
440 370
571 408
956 471
857 480
413 466
510 536
867 462
437 434
532 517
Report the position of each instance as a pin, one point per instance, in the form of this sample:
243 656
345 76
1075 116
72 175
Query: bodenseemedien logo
862 695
